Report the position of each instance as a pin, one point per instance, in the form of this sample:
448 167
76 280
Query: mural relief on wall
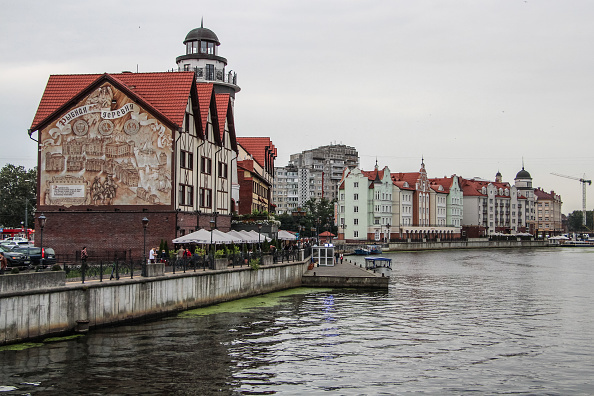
106 150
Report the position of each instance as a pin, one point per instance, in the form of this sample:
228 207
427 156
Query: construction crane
584 182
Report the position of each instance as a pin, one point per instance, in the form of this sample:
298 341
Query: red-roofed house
378 205
115 148
492 208
255 173
548 213
454 201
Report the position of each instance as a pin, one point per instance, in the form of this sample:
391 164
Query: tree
575 221
318 216
17 196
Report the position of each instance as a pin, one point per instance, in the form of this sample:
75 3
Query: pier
343 275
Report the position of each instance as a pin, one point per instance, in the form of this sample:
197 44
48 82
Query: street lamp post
145 222
26 213
212 226
42 219
259 230
197 212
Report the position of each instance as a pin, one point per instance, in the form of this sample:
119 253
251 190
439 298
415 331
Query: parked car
9 245
15 259
35 254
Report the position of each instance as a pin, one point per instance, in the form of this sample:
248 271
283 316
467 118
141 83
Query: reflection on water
496 321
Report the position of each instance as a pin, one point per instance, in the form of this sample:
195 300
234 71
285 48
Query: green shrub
199 251
266 246
56 267
255 264
220 253
14 271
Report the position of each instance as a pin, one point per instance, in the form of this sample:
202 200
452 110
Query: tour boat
382 265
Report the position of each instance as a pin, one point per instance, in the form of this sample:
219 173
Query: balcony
203 74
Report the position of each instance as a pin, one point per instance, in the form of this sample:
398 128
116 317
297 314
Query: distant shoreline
448 245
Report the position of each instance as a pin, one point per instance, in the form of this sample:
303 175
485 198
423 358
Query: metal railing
109 269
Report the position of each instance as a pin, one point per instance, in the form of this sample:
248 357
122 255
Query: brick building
255 174
135 145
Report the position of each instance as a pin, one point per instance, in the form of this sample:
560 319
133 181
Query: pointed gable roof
205 92
208 103
164 93
225 113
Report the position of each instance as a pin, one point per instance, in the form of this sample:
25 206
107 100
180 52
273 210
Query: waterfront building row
380 205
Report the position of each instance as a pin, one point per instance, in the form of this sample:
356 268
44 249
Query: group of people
157 257
338 256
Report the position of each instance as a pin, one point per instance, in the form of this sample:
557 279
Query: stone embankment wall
29 314
470 244
478 243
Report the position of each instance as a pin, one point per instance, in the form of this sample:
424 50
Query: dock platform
344 275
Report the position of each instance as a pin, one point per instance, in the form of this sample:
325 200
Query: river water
473 322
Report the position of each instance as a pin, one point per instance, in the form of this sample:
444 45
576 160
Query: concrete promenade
56 307
343 275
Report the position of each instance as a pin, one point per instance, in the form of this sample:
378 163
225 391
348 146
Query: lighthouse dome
202 33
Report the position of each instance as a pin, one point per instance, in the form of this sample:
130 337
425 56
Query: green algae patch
249 303
66 338
28 345
21 347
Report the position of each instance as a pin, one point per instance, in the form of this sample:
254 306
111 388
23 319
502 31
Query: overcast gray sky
472 86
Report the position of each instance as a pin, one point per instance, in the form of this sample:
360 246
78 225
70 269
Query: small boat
361 252
375 249
383 265
369 249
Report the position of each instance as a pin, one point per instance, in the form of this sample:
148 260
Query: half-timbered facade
116 148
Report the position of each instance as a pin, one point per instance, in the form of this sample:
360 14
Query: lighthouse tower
202 56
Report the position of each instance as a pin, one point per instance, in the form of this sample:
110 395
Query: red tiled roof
222 106
543 195
225 112
445 182
166 92
400 185
257 147
205 92
371 175
473 187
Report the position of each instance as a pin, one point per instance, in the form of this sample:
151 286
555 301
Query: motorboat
369 249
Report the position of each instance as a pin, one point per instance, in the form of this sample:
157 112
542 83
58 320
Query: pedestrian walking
84 256
341 258
152 256
3 263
